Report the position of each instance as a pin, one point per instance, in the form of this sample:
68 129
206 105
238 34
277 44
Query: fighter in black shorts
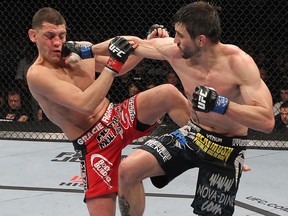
227 97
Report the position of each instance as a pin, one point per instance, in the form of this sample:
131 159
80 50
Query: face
284 115
284 95
14 101
133 90
172 79
49 40
183 40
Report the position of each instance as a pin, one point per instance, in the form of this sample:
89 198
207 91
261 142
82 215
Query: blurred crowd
17 104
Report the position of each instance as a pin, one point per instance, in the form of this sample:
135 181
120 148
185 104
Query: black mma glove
119 49
206 99
76 51
152 28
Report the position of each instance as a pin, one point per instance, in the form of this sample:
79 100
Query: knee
168 89
126 173
172 91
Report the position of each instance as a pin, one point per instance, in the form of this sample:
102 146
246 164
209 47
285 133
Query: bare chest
222 79
82 77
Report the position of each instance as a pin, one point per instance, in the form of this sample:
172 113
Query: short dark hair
47 14
200 18
14 92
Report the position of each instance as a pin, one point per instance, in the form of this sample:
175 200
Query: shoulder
240 61
36 71
39 76
237 55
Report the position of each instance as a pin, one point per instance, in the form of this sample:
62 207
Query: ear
201 40
32 35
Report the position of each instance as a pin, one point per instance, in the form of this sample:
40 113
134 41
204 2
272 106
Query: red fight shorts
100 147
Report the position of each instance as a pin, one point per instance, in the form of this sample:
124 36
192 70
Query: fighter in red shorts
74 100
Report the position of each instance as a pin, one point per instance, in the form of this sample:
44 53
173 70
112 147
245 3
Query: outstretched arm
100 49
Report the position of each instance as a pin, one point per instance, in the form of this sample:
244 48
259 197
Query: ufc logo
115 49
201 101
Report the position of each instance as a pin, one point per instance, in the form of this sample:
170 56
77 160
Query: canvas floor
42 179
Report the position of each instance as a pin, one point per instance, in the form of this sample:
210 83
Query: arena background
258 27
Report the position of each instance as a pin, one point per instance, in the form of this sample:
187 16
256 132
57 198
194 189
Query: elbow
87 109
269 126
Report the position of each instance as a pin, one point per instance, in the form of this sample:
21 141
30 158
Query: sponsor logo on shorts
84 174
102 167
105 138
193 127
115 123
160 149
131 109
214 138
213 149
213 195
240 142
98 127
107 115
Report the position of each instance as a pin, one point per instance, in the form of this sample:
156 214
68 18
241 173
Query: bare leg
104 205
246 168
127 205
136 167
151 106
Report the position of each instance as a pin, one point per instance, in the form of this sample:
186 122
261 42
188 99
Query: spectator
281 120
41 116
263 73
14 110
133 89
283 98
172 78
280 131
20 78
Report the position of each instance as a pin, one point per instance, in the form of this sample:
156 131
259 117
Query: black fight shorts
220 160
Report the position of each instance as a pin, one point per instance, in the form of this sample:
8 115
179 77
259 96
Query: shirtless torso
231 72
80 75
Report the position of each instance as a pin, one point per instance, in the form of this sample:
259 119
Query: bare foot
246 168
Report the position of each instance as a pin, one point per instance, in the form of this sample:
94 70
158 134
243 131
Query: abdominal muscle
220 124
72 123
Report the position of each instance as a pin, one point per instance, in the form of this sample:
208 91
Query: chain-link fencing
258 27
